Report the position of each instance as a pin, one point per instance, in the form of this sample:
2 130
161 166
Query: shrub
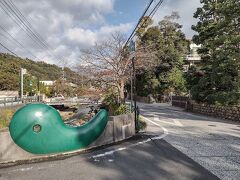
5 117
122 109
141 123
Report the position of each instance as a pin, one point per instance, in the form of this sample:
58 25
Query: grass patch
5 116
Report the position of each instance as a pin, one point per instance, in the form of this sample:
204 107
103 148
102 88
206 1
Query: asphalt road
211 142
166 151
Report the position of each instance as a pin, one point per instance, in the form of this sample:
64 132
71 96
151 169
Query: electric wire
15 14
36 34
28 30
16 41
17 23
139 21
8 49
152 13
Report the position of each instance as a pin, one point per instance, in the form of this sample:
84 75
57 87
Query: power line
152 13
15 14
139 21
16 41
39 37
18 24
19 19
35 33
8 49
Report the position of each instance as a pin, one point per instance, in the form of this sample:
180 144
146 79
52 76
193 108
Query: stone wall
180 101
228 113
223 112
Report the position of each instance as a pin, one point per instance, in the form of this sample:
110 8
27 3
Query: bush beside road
5 116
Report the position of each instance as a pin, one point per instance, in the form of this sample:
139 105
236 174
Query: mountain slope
10 67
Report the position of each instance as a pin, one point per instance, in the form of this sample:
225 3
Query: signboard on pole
24 71
132 46
132 49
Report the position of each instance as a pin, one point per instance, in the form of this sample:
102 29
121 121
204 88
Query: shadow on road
154 160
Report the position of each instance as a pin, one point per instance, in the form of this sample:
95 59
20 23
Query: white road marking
175 121
165 133
22 169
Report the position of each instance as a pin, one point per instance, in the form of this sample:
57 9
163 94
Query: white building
48 83
193 58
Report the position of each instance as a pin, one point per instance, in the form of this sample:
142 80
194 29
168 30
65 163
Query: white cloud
186 10
81 36
66 26
69 25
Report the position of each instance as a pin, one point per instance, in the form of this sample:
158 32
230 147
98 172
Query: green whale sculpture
39 129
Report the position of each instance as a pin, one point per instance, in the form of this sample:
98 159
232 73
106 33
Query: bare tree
108 63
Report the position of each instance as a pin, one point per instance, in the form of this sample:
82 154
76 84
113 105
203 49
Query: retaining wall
223 112
118 128
180 101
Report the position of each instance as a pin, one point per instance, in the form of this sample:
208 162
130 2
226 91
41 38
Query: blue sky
70 25
126 11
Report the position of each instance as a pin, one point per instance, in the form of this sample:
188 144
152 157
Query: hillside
10 67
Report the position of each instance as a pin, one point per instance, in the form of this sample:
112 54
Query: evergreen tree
219 33
168 44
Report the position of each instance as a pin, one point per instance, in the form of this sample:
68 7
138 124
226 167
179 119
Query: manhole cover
212 125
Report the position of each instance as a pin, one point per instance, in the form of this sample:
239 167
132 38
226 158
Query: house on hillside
193 58
47 83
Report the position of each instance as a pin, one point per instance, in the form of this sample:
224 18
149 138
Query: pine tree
219 33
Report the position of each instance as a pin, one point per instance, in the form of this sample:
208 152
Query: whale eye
37 128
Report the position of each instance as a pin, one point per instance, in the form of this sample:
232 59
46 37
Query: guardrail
13 101
69 101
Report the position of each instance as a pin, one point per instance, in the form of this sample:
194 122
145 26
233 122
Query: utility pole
22 72
131 81
63 73
134 95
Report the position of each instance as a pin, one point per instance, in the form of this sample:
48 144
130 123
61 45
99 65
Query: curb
4 130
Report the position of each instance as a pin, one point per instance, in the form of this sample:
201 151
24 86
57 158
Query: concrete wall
118 128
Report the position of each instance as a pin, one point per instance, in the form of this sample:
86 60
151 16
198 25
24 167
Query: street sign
24 71
132 46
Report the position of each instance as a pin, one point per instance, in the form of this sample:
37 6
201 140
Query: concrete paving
211 142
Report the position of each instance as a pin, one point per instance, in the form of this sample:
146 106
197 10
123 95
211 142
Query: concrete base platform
118 128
